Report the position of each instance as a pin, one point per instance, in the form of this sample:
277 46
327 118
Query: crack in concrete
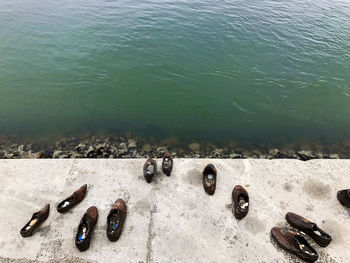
70 177
150 238
71 168
151 234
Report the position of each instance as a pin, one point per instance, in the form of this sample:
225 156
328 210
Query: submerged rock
91 152
46 154
217 153
80 148
20 149
278 154
122 145
57 154
194 147
147 147
273 152
100 147
333 156
305 155
31 155
235 156
121 152
131 143
77 155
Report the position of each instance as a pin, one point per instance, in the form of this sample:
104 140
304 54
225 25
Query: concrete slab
172 219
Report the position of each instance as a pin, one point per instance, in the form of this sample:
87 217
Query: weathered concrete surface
172 219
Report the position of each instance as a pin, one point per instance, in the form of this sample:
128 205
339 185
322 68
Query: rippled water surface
253 71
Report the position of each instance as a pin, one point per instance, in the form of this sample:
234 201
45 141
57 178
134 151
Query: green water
252 71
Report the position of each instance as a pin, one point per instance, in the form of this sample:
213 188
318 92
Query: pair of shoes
39 217
115 222
344 197
82 240
240 197
297 244
150 167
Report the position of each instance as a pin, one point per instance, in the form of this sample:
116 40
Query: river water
267 71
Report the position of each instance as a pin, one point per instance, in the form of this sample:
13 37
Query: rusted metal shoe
72 200
240 202
37 219
149 169
294 243
209 179
167 164
309 228
344 197
115 220
85 228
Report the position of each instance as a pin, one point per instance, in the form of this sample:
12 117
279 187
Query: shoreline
120 147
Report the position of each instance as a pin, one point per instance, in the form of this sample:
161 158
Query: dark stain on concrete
288 187
254 225
194 177
44 230
317 190
282 205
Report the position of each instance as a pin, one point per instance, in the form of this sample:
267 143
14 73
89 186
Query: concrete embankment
172 219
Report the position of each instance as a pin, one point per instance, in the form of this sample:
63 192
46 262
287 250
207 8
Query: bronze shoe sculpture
167 164
344 197
240 202
294 243
85 228
209 179
309 228
149 169
37 219
72 200
115 220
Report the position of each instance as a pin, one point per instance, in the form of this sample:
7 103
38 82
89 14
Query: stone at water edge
194 146
147 147
161 150
305 155
132 143
333 156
